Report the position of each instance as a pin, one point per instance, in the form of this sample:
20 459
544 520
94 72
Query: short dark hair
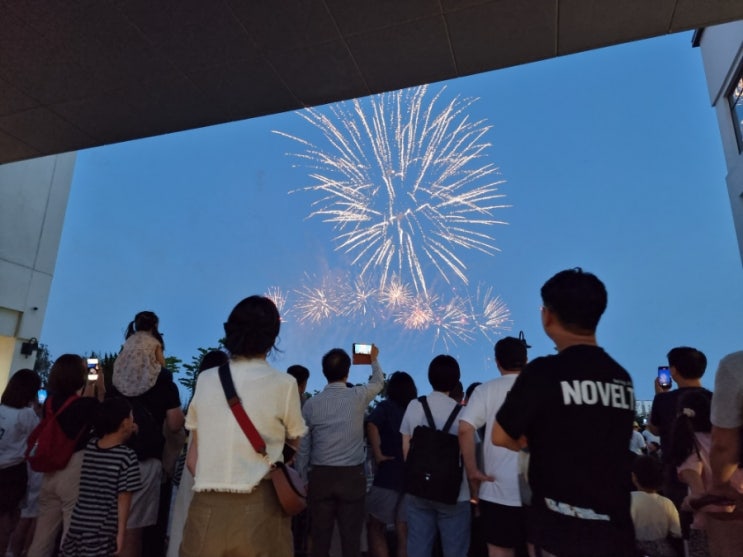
111 412
300 373
401 388
510 353
577 298
336 364
214 358
648 472
690 363
67 375
22 388
252 327
443 373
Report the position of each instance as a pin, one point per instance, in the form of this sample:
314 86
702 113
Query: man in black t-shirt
687 365
575 411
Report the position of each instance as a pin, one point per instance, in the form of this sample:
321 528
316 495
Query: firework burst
404 185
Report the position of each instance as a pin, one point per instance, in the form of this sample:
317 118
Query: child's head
693 417
113 415
145 321
647 473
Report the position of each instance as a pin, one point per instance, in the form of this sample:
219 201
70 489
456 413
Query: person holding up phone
334 451
686 367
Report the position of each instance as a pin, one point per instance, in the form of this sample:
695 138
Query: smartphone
664 377
42 396
92 369
361 353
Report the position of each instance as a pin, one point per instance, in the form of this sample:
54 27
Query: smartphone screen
92 369
42 396
362 348
664 377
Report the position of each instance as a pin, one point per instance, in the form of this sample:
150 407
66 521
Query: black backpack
433 468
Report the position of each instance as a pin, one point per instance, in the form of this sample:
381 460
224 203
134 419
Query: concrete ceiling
83 73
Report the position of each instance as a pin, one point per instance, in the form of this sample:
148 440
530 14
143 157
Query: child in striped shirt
109 476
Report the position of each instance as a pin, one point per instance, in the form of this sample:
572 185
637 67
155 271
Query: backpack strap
427 411
452 417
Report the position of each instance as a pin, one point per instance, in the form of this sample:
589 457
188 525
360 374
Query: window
735 98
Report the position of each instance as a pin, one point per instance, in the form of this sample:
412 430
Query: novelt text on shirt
617 394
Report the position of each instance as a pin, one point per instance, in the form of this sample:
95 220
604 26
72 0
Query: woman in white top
235 510
17 420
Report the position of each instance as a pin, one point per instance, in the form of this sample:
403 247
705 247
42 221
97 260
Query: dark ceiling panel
315 72
286 25
587 25
502 34
244 88
404 55
43 130
83 73
692 14
13 100
362 17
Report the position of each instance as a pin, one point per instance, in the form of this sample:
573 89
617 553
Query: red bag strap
65 404
225 377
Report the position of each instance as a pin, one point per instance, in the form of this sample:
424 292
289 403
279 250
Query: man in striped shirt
334 449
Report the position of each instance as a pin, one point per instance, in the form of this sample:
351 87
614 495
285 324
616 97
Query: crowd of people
546 458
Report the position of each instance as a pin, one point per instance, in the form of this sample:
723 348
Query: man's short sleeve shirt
498 462
576 409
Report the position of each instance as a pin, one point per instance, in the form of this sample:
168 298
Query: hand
658 388
480 476
119 543
379 459
374 353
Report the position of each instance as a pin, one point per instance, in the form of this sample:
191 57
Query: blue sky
612 161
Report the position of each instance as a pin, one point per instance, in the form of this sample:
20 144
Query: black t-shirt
163 396
77 418
576 409
387 416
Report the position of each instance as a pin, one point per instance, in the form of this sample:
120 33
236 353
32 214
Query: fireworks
405 186
403 180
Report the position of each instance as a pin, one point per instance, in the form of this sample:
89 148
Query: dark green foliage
43 363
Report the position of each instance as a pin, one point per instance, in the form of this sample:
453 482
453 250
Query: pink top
700 464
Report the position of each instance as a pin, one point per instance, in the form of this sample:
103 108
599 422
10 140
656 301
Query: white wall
33 200
722 55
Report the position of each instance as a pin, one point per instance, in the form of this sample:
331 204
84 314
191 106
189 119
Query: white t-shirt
499 462
441 406
654 516
636 442
15 426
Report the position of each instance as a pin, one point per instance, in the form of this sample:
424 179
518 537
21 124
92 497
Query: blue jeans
426 517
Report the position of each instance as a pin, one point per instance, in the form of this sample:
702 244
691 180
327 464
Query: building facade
33 201
722 55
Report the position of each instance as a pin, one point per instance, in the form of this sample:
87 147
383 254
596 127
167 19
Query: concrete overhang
78 74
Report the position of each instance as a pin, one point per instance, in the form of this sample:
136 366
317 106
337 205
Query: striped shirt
335 418
105 473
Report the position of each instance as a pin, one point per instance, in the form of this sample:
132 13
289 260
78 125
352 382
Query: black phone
664 377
